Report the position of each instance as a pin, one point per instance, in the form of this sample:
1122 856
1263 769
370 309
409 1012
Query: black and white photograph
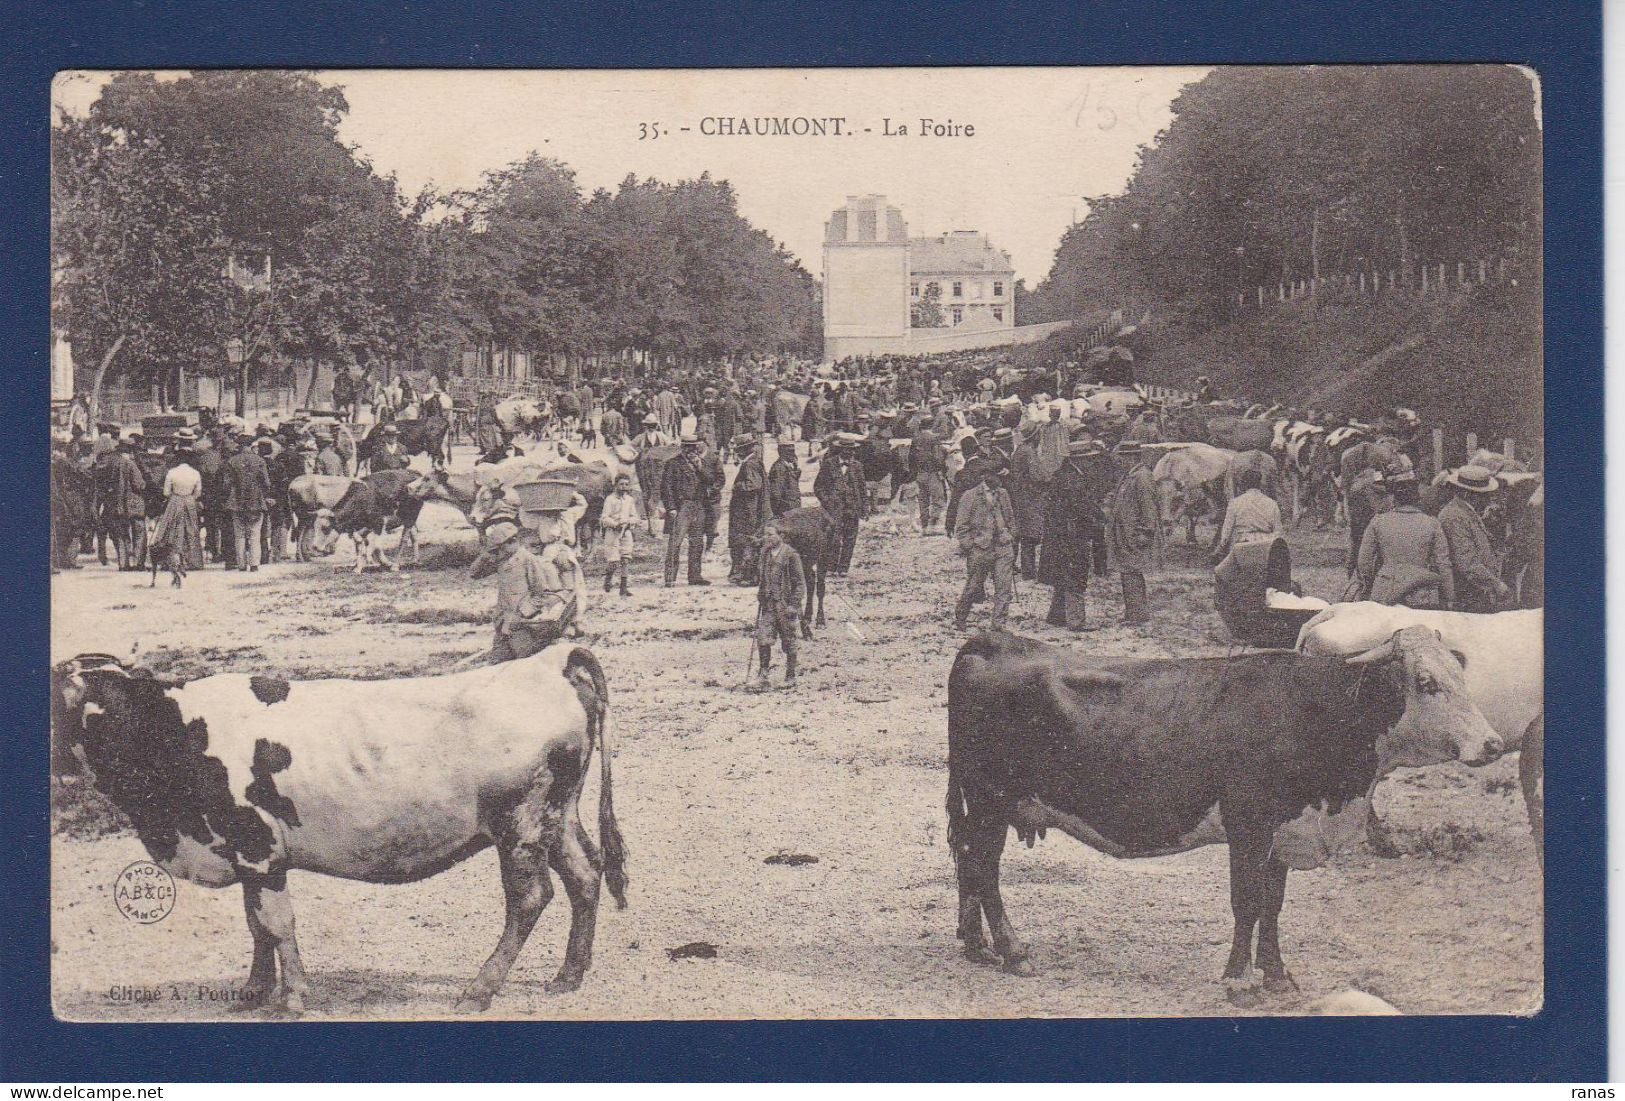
772 544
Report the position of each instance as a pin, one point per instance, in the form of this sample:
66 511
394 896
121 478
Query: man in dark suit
247 483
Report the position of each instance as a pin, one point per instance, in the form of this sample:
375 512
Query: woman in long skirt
175 538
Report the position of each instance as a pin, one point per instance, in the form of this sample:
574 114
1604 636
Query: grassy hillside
1469 361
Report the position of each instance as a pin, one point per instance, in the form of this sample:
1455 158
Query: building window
914 290
998 290
998 313
959 289
959 311
933 288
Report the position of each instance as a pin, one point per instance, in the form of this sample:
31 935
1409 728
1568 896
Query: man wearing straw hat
539 595
1478 584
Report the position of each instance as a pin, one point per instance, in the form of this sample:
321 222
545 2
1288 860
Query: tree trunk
101 375
241 404
310 391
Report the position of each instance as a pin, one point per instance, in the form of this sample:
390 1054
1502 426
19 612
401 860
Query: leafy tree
927 312
1270 175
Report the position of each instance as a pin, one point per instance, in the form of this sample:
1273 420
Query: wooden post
1438 450
1362 282
1472 443
1424 279
1481 273
1509 448
1461 271
1260 297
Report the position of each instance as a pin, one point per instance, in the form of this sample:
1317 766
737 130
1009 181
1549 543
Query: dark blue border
1560 40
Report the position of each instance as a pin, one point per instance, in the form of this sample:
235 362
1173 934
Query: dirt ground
711 780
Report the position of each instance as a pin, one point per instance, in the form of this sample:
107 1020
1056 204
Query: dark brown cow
419 437
1273 753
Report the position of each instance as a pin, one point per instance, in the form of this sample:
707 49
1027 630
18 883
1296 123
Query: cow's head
324 536
430 486
1440 723
74 703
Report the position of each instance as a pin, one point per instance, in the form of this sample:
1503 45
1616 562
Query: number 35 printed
649 131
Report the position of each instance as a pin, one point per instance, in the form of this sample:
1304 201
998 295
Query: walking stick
852 623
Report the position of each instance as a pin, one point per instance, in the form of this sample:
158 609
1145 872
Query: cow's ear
1461 658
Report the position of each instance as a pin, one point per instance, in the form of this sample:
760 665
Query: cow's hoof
563 984
1245 997
1020 965
251 996
1280 984
293 1003
470 1003
981 953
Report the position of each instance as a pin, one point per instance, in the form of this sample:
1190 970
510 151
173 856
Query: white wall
928 341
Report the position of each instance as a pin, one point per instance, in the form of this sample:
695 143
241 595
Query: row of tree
1270 175
218 223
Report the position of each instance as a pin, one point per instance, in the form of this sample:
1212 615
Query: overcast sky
1044 138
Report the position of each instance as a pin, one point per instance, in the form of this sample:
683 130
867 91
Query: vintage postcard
828 543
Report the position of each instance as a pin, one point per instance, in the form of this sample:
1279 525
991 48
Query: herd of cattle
239 779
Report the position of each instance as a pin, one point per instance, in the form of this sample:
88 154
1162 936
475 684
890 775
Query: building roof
963 250
896 232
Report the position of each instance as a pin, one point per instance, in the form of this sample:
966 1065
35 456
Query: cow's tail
955 802
609 831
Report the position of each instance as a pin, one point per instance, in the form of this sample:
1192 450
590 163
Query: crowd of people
1024 486
220 495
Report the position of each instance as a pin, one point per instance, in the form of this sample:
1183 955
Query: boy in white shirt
619 517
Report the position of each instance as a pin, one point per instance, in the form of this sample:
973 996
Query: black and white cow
368 507
240 779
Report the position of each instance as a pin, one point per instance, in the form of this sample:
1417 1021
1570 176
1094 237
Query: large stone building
875 273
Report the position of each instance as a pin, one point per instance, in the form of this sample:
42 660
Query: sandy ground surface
711 780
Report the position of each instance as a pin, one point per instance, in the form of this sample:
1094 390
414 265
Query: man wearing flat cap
247 483
121 499
683 491
784 481
987 537
840 489
748 509
1134 532
1074 542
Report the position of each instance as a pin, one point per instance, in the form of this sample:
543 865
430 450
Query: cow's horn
1380 652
